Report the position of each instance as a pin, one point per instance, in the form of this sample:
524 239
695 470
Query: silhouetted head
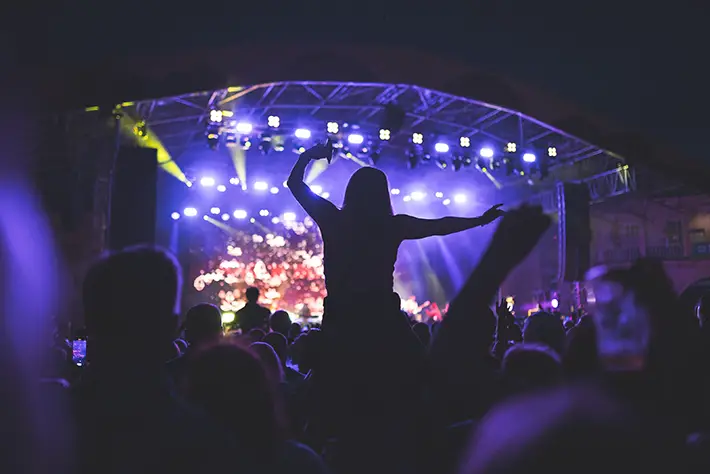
252 294
280 322
271 360
529 367
130 301
280 344
367 194
545 328
203 322
255 335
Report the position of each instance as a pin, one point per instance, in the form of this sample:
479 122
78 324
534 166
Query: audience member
252 315
280 322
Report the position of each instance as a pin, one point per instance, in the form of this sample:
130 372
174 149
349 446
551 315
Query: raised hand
518 233
492 214
318 152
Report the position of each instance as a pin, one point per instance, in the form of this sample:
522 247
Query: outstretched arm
414 228
316 207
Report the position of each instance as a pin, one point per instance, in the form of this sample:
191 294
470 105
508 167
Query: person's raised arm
414 228
316 207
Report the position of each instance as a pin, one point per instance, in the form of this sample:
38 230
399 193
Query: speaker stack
574 231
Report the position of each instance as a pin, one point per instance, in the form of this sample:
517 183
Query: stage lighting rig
140 129
332 128
212 136
230 139
273 121
245 143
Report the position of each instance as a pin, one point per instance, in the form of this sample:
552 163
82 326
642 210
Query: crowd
474 393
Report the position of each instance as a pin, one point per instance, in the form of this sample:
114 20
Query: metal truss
180 120
601 187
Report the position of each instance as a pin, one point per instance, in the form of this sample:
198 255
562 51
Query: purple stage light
418 195
261 186
175 215
460 198
225 217
529 158
486 152
240 214
355 139
244 127
441 148
207 181
302 133
189 212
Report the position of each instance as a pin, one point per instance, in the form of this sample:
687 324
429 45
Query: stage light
316 189
302 133
439 194
261 186
441 163
205 218
554 302
418 195
263 213
325 195
140 129
465 142
175 216
355 139
332 127
273 121
417 138
446 202
275 220
213 139
441 148
215 210
385 134
529 158
407 198
481 165
285 184
230 139
244 127
207 181
189 212
460 198
486 152
552 151
395 191
274 190
225 217
216 116
234 181
289 216
240 214
245 142
511 147
188 183
252 220
228 318
221 188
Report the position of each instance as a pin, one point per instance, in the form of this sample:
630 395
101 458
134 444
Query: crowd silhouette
473 393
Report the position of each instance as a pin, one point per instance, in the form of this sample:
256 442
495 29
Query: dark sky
639 64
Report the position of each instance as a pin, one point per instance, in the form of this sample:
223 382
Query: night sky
640 65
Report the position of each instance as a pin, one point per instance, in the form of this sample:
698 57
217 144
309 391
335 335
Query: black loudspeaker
574 231
133 198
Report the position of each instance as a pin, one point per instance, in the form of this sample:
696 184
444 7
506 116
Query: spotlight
188 183
355 139
418 195
228 318
240 214
407 198
205 218
207 181
275 220
441 148
234 181
221 188
274 190
325 195
441 163
273 121
289 216
175 216
215 210
263 213
511 147
395 191
316 189
385 134
189 212
225 217
439 194
245 142
302 133
332 127
216 116
230 139
552 151
140 129
244 127
465 142
554 302
285 185
446 202
261 186
486 152
460 198
417 138
529 158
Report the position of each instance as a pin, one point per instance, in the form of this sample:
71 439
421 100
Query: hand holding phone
79 352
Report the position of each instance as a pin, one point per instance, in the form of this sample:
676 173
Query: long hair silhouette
367 194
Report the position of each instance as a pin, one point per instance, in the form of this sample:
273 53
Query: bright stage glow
529 158
511 147
244 127
207 181
240 214
355 138
275 220
188 184
418 195
441 147
486 152
460 198
274 190
302 133
175 216
439 194
215 210
285 184
385 134
316 188
264 213
216 116
273 121
407 198
554 302
189 212
261 186
395 191
325 195
221 188
332 127
289 216
465 142
446 202
225 217
234 181
552 151
228 317
417 138
205 218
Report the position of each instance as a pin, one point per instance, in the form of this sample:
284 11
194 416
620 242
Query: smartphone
79 352
331 150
